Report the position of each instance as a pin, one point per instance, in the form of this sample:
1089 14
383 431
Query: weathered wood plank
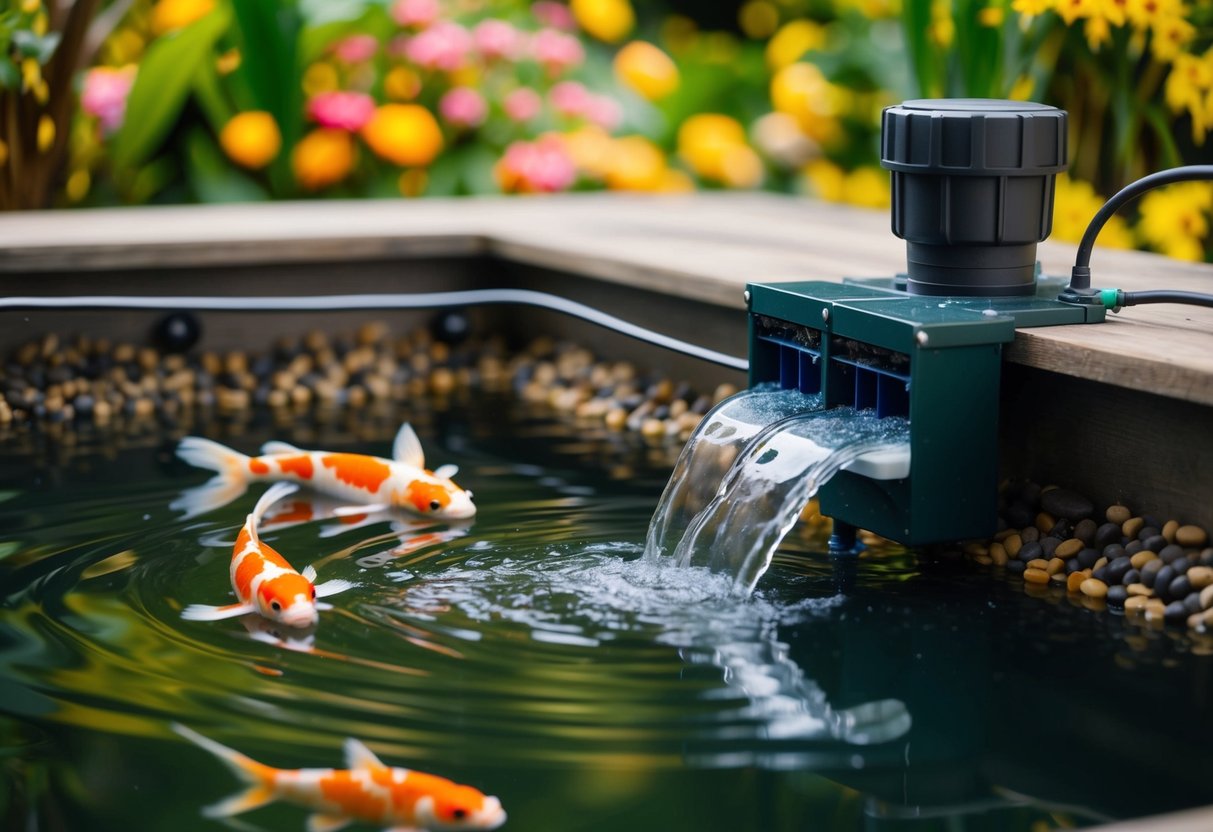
703 247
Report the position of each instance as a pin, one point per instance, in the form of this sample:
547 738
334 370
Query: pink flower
496 39
557 51
444 46
570 98
541 166
522 104
356 48
463 107
342 110
104 95
604 111
556 15
415 13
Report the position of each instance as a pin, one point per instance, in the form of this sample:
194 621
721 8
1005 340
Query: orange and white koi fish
264 582
368 481
369 791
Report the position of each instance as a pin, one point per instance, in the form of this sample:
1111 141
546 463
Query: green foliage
166 77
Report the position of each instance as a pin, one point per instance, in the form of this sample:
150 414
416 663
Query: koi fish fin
349 511
326 823
309 573
333 587
357 755
276 447
212 494
446 471
205 612
272 495
251 798
407 447
260 791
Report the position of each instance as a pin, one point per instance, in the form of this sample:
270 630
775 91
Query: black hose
1080 277
1165 296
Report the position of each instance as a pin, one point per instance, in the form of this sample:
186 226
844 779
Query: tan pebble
1093 587
1003 535
1140 590
1068 548
1035 576
1136 603
984 560
301 396
1206 618
1099 564
616 418
277 399
1045 522
1168 530
355 396
1038 563
1055 565
1132 526
1155 608
102 411
678 407
1141 558
1094 603
652 428
1074 581
722 392
1059 578
1191 536
144 408
1200 576
1206 598
442 381
976 549
1118 514
998 554
1013 544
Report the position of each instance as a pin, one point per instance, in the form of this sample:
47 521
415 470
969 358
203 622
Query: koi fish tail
272 495
259 777
230 482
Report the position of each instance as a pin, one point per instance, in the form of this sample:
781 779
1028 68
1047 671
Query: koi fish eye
313 593
459 814
469 495
275 606
435 505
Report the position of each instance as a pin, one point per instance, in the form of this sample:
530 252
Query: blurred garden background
186 101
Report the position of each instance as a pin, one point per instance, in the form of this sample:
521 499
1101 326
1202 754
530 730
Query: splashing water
770 484
719 440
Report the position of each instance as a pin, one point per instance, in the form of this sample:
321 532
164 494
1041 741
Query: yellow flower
705 139
1146 13
942 28
1074 204
591 148
607 20
402 84
647 70
78 184
1097 31
825 180
1171 35
1190 87
741 167
675 182
867 187
1022 89
404 134
251 139
320 77
171 15
1031 8
802 91
992 16
323 157
46 133
636 164
1114 11
779 137
228 62
1071 10
792 41
1173 219
758 19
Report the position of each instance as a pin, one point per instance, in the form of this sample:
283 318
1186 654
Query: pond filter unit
972 196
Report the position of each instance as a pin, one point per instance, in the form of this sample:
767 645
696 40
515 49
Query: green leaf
162 86
212 177
33 46
443 176
10 77
477 163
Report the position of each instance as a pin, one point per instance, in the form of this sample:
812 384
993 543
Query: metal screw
922 338
746 295
825 314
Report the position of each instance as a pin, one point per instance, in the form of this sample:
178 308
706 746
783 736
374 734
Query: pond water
534 655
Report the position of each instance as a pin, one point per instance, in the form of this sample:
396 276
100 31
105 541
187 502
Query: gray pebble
1115 570
1192 603
1181 587
1030 551
1114 550
1155 543
1150 571
1048 545
1068 504
1162 581
1133 576
1087 558
1085 531
1133 547
1175 612
1105 534
1030 535
1168 554
1116 596
1016 567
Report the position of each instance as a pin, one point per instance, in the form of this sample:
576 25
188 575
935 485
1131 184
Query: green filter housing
935 360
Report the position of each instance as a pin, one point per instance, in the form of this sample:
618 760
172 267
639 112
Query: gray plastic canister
973 183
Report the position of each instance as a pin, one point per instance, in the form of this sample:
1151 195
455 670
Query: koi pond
533 653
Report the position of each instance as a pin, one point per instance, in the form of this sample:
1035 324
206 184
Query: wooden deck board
705 246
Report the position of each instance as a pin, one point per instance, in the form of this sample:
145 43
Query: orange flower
171 15
323 157
404 134
251 139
